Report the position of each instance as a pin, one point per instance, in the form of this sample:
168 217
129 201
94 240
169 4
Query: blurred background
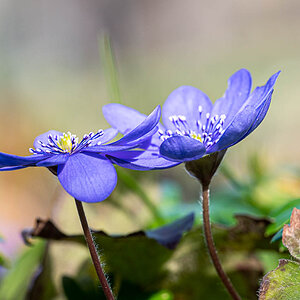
52 76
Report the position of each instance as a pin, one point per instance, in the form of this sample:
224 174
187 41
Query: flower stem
211 246
95 258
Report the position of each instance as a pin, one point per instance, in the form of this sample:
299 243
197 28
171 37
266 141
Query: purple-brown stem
211 246
95 258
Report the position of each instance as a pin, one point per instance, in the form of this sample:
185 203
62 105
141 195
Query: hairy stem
211 246
95 258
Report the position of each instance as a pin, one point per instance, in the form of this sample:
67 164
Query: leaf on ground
168 235
291 234
75 290
143 265
128 255
283 283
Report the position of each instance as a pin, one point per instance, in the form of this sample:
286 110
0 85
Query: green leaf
42 286
162 295
286 207
283 283
15 283
277 236
281 216
4 262
75 291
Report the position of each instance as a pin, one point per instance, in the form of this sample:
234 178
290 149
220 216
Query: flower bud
204 168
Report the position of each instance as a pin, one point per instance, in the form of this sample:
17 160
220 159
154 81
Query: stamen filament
208 133
66 143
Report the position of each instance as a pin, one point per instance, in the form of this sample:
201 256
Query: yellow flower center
65 142
196 136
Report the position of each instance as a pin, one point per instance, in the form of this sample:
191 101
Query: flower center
207 132
66 143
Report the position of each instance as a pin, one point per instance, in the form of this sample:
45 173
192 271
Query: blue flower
84 168
193 126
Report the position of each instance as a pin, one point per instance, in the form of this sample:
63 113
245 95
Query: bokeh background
52 76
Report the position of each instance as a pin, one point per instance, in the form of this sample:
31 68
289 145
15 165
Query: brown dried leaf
291 234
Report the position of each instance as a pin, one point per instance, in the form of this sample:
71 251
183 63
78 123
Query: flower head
194 127
84 167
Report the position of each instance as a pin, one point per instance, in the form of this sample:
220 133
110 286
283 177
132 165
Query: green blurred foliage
139 267
281 216
29 277
4 262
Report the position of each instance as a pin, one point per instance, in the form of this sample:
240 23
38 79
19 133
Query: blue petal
186 101
262 111
182 148
87 178
141 160
122 117
44 138
259 95
248 118
9 160
143 131
260 115
239 86
236 129
12 168
107 148
54 160
170 235
126 119
107 136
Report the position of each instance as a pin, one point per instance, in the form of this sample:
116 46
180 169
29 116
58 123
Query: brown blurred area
51 77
